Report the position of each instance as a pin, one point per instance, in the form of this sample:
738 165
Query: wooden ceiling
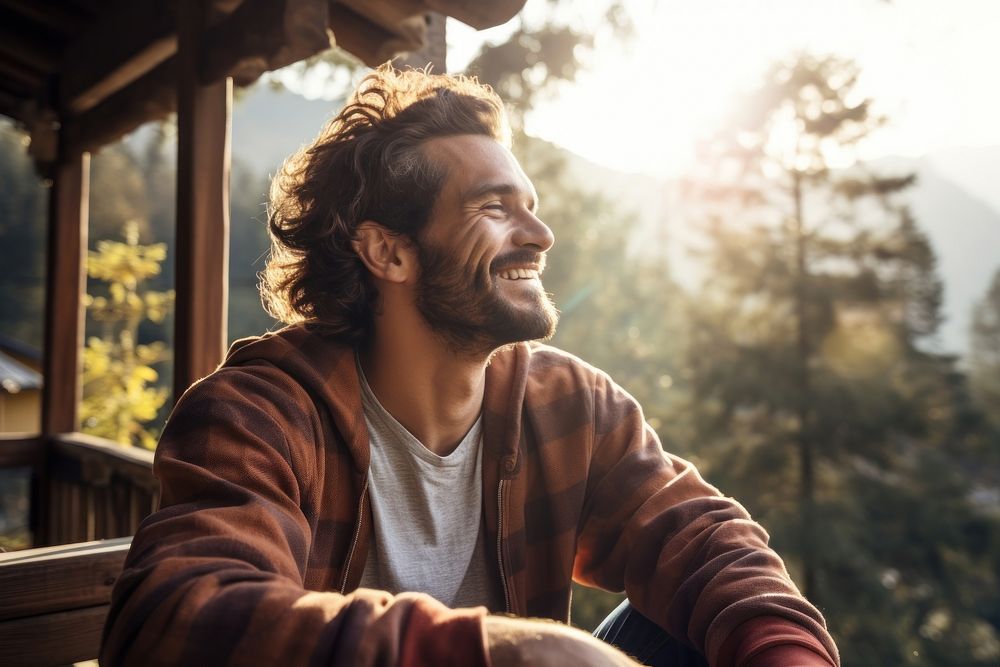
100 68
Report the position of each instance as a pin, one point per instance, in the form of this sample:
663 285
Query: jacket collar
327 370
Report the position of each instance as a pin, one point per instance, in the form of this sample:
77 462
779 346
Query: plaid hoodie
256 552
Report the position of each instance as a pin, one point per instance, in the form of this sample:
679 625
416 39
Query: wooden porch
84 493
78 75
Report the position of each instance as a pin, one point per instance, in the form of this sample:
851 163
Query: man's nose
532 232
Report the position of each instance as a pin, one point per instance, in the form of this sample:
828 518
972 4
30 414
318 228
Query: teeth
518 274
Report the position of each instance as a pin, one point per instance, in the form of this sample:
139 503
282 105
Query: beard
469 311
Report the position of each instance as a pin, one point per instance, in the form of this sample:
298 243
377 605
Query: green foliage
118 371
547 48
984 359
811 398
22 238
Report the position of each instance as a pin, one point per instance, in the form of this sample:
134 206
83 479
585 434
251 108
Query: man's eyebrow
501 189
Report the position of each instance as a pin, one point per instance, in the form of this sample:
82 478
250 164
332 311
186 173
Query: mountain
956 199
269 125
964 226
976 169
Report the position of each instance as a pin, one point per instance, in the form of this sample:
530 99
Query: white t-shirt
426 514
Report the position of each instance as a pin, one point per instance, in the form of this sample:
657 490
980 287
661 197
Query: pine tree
811 396
984 357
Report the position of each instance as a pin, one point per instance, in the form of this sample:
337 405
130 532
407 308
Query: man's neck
436 394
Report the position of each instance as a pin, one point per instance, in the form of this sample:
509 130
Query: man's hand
515 641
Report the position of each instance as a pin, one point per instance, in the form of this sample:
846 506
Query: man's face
483 250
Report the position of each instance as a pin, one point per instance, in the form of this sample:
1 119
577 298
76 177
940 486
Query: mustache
517 258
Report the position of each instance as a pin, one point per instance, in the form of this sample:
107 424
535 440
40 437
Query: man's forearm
515 641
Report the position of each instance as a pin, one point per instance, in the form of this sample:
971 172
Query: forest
795 372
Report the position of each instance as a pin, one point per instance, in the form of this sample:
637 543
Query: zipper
357 535
503 574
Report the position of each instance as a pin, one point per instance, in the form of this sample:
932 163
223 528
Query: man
397 477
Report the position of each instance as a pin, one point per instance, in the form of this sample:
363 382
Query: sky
930 66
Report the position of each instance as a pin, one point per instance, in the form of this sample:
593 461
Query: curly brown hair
366 164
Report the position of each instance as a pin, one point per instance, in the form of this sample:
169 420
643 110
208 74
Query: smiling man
400 475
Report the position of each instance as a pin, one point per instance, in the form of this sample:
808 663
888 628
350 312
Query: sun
644 107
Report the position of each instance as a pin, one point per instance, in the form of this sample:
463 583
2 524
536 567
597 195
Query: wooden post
65 284
434 52
202 262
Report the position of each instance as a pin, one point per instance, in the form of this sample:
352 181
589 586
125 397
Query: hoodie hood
325 367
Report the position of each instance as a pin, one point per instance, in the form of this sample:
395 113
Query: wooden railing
83 488
55 600
96 489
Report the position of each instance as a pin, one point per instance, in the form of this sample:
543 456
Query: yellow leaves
158 304
127 264
152 353
117 373
117 401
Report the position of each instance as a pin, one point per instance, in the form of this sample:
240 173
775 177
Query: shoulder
545 359
279 378
292 365
554 373
551 366
547 373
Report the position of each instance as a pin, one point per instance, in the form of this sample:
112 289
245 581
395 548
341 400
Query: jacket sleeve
215 576
687 557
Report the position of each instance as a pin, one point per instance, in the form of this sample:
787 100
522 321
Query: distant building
20 387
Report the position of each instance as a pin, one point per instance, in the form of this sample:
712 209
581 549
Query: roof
20 349
15 376
100 68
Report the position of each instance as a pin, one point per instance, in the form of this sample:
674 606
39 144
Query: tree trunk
803 405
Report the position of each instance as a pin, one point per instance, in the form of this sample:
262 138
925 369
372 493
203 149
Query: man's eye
493 207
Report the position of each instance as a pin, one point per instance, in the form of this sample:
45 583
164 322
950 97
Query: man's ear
388 256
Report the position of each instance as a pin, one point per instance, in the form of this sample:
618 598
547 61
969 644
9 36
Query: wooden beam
405 18
116 50
480 15
90 93
21 451
259 35
371 43
54 16
24 74
24 47
434 52
65 283
92 7
61 638
151 97
97 456
60 578
263 35
202 261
